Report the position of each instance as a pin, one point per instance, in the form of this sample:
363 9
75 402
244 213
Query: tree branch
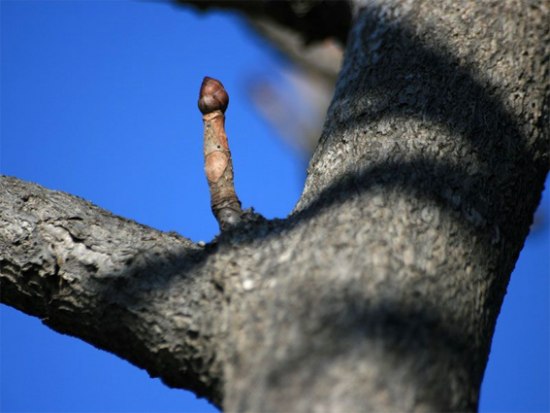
312 20
121 286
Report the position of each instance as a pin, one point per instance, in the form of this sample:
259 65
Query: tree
381 289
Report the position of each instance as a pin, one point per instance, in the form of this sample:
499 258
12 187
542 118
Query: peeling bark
381 290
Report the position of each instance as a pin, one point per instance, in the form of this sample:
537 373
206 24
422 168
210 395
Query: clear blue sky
98 99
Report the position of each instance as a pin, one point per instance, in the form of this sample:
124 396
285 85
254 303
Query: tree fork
381 291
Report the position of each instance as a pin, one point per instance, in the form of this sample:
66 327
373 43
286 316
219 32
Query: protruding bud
212 96
213 100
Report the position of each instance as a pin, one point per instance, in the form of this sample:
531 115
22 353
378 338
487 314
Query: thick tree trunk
381 290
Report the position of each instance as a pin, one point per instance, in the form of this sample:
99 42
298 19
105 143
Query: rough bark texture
381 290
121 286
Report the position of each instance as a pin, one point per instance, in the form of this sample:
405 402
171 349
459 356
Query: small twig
213 101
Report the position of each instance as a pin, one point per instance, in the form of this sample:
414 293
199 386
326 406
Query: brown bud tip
212 96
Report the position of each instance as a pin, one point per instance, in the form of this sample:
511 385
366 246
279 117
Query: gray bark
121 286
381 290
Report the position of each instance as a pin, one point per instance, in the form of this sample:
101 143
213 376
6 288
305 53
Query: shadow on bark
427 83
387 329
409 80
129 296
496 166
412 80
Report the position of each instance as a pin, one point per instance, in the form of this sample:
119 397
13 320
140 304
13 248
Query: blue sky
98 99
